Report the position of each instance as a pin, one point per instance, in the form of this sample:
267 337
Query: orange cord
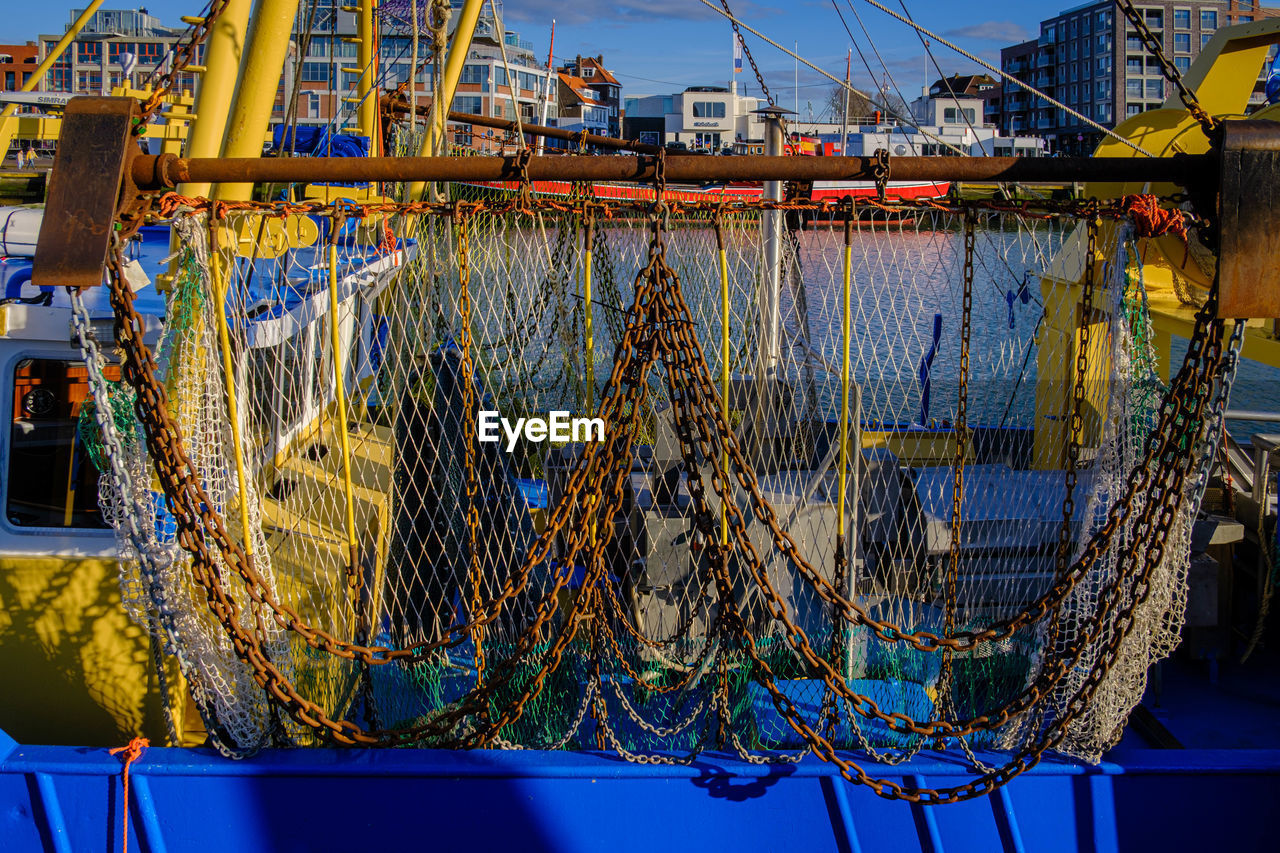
129 754
1152 220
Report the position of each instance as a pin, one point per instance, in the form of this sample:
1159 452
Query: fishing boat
559 506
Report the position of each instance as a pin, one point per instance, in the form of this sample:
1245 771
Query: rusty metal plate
1249 207
84 189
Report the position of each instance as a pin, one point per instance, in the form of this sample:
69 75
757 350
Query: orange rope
129 754
1152 220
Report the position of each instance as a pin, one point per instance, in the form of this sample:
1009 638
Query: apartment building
1091 60
17 64
95 63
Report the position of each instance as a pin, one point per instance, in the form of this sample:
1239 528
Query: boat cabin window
52 482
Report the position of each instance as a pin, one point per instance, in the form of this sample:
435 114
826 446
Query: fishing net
874 479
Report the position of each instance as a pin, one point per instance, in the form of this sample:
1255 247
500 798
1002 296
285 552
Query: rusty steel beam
399 105
157 172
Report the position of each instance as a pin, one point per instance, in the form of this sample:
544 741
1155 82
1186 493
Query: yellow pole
213 101
846 328
458 50
590 338
368 113
588 238
340 397
8 125
229 379
724 367
260 69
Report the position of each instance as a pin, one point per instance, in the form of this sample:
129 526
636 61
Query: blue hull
71 799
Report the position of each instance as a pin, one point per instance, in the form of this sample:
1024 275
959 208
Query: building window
149 53
315 72
1102 42
89 51
1208 20
710 141
708 109
1182 42
1155 88
1154 18
1102 89
313 105
1104 112
1204 39
1103 20
1133 88
499 76
1182 19
468 104
588 72
1104 64
1182 63
1133 65
58 79
1132 110
953 116
475 74
1132 43
52 481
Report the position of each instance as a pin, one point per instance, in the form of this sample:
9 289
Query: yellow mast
260 70
213 101
459 47
366 97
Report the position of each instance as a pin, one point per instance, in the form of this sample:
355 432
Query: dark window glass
51 480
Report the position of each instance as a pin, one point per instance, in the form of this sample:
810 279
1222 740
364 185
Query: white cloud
1006 31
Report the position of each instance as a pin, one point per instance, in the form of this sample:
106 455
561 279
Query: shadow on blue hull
68 798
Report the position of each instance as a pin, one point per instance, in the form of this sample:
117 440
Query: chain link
658 331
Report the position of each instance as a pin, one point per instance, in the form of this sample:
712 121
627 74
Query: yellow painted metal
264 236
260 69
459 47
846 331
7 125
1176 275
229 380
724 377
368 109
223 54
76 669
1224 73
339 419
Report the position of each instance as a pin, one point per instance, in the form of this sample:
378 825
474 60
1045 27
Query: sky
662 46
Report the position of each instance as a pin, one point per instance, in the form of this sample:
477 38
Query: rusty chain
659 330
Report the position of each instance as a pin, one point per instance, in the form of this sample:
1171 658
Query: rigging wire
830 77
987 65
924 42
889 78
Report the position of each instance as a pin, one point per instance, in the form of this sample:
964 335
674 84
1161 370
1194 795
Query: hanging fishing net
865 481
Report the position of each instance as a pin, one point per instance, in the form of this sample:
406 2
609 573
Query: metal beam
156 172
